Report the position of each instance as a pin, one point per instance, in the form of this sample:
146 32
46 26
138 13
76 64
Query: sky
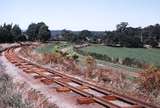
97 15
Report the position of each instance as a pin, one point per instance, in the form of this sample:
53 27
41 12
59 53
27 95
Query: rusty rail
24 64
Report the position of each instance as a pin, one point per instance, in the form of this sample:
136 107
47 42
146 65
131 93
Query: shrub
150 79
75 56
128 61
55 57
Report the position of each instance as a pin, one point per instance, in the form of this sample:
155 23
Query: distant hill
57 33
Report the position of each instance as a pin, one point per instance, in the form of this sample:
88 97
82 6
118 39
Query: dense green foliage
82 36
133 37
38 31
123 36
43 33
13 33
10 33
69 35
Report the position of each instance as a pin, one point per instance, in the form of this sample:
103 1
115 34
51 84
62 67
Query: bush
95 55
128 61
75 56
150 79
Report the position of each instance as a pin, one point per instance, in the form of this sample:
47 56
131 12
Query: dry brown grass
150 80
39 100
55 57
146 87
90 63
18 94
10 98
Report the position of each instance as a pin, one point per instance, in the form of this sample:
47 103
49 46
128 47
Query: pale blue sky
80 14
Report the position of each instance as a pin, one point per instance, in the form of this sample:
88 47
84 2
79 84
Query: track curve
48 76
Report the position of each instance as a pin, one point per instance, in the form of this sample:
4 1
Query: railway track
89 92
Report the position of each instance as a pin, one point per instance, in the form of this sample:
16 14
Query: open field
150 56
50 47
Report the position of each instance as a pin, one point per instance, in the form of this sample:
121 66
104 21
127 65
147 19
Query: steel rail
103 90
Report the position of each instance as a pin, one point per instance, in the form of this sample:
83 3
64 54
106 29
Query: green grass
151 56
52 47
46 48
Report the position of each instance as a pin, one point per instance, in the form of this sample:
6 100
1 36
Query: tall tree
39 26
32 32
38 31
5 33
16 32
84 35
122 26
69 35
44 33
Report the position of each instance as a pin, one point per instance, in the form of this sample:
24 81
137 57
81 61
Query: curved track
91 93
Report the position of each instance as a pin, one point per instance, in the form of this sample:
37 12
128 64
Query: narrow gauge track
49 76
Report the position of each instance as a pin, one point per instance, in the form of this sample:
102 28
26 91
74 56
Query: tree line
10 33
123 36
